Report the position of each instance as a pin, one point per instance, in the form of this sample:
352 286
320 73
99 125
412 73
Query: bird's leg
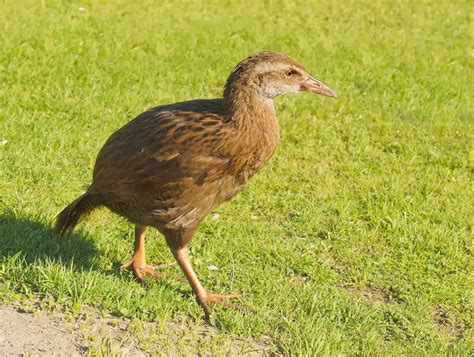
138 261
204 298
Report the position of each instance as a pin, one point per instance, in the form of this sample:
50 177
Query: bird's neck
249 109
257 131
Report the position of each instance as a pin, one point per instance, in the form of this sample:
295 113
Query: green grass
356 238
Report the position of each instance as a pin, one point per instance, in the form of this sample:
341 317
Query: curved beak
314 85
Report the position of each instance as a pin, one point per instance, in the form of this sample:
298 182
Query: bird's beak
313 85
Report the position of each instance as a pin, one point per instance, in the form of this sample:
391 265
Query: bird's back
156 137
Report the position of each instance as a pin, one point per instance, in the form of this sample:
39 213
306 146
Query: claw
139 270
223 299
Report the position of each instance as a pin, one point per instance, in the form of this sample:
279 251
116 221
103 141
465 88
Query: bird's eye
290 72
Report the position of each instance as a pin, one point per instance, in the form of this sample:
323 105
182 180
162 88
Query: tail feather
70 216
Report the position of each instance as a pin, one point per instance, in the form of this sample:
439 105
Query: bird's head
270 74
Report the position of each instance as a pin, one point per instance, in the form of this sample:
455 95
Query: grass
355 239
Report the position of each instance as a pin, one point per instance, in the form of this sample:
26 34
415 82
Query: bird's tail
70 216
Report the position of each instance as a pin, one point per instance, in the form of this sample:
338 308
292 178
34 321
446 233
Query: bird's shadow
33 239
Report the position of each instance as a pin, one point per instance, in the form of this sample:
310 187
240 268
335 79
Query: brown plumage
169 167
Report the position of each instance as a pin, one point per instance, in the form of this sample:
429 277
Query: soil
32 331
23 333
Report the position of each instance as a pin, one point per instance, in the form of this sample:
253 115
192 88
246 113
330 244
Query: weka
169 167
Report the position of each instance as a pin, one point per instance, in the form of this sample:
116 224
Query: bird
173 164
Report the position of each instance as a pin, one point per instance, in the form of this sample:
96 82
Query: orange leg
138 261
203 296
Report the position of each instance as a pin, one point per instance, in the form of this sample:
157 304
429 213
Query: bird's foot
140 269
222 298
209 298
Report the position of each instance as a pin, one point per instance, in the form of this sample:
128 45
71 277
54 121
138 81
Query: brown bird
173 164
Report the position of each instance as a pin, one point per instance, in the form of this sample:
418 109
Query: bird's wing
164 153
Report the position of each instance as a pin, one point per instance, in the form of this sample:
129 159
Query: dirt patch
447 324
58 333
22 333
373 293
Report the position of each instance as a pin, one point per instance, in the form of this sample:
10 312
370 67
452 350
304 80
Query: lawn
356 238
